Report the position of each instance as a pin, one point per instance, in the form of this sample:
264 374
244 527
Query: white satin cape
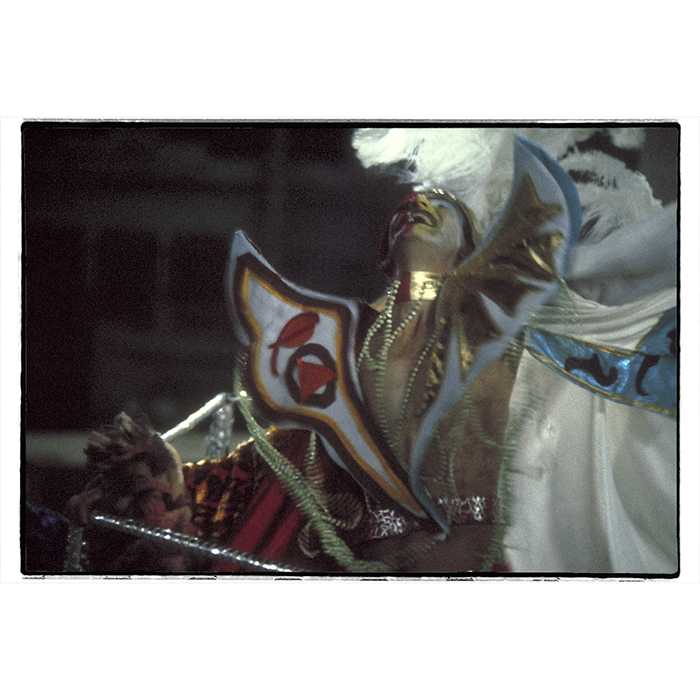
592 485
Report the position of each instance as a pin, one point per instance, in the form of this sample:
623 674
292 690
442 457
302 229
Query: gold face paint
435 224
431 217
435 217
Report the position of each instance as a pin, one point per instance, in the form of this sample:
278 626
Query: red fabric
283 536
271 500
259 520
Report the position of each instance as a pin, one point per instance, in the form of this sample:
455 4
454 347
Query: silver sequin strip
465 509
189 543
210 407
220 436
385 522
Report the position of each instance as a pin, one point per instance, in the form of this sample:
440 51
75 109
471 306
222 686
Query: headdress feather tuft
476 164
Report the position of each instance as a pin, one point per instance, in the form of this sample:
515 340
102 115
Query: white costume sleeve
631 262
592 484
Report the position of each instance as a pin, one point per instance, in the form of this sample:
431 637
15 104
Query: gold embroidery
519 258
436 369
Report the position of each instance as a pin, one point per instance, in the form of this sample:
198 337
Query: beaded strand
405 403
378 363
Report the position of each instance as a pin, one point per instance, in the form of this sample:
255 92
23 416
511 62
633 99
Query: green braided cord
310 456
307 500
525 412
448 457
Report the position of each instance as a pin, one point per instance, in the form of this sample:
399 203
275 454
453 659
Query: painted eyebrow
446 203
442 198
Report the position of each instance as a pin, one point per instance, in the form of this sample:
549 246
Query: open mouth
409 215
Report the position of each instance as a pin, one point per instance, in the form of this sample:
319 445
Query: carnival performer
507 406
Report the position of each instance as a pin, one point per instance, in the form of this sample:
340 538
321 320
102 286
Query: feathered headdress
476 164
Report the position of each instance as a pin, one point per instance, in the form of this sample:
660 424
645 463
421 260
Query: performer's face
426 232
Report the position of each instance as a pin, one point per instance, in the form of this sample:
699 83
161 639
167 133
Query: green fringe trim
305 497
525 411
521 414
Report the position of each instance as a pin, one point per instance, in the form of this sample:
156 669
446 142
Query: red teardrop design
296 332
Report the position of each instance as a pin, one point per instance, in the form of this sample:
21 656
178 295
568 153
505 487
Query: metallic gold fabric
519 252
419 285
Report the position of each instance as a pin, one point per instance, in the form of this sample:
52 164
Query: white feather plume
615 196
476 164
462 160
628 137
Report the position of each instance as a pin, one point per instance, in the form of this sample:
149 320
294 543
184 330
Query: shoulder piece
491 296
301 369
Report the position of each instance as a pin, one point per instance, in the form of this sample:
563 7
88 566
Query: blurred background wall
126 232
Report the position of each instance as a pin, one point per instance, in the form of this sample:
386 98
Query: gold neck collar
418 285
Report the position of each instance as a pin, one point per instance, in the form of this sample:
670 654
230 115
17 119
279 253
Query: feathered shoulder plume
476 164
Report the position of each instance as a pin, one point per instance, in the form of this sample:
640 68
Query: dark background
126 232
126 239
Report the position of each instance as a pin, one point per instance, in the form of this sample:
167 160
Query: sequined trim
386 522
638 379
465 510
187 543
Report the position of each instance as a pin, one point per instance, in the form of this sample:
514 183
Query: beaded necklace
378 363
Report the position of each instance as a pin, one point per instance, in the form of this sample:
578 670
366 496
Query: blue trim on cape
645 377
